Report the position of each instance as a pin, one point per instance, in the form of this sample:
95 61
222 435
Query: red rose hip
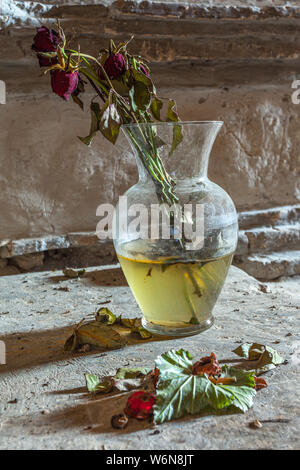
64 83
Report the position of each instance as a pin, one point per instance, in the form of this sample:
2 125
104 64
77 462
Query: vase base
183 331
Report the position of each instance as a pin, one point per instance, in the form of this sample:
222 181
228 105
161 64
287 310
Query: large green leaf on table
180 393
267 358
110 121
95 119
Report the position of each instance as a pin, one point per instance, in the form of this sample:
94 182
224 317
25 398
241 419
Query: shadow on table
94 415
101 277
35 348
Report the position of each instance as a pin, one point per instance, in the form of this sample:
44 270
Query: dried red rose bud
140 405
114 66
207 365
45 40
46 61
119 421
64 83
260 383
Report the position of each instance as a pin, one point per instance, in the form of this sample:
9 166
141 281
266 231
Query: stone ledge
269 266
269 217
22 246
33 12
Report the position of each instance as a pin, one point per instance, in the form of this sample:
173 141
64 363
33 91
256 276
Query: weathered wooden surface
42 402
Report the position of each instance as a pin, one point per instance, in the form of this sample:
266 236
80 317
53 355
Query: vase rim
220 123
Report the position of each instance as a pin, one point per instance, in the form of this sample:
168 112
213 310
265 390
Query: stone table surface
42 396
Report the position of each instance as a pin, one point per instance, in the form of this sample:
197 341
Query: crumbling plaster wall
231 61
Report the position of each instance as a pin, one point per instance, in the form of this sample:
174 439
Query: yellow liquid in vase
176 294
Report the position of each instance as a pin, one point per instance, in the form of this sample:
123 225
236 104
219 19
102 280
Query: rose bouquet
178 258
124 94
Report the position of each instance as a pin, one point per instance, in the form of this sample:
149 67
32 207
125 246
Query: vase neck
188 159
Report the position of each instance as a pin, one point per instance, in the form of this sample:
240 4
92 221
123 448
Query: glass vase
175 231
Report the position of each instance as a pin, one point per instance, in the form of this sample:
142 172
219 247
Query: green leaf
95 385
105 316
142 78
267 358
120 87
136 327
172 363
144 334
126 379
128 322
110 122
132 378
180 393
95 118
177 137
172 112
156 107
131 372
139 97
177 129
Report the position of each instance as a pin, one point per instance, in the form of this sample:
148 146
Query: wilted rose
64 83
207 365
45 40
114 66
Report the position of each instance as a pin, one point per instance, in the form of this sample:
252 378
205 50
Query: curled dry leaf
105 316
260 383
208 365
266 357
95 334
125 380
73 273
135 326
